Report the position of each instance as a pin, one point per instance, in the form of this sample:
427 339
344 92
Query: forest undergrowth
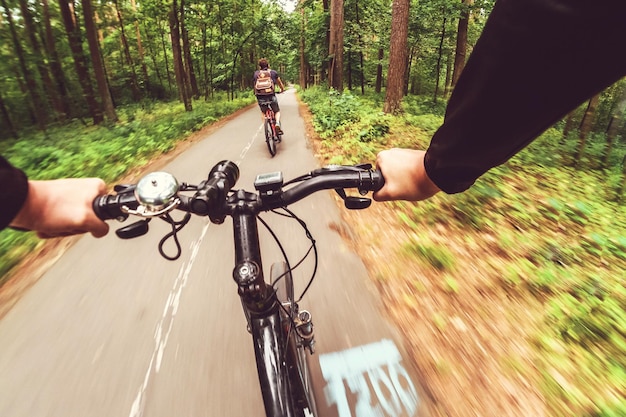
144 131
511 294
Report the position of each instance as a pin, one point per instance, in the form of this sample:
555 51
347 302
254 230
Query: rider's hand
62 208
405 176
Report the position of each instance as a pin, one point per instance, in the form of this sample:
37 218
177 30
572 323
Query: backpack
264 85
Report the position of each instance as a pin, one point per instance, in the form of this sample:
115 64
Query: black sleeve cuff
13 192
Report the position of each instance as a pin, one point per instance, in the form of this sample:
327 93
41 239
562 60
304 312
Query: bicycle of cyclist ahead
282 333
272 137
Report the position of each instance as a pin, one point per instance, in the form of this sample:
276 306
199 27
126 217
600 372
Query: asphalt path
115 330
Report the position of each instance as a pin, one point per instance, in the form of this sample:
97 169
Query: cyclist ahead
265 80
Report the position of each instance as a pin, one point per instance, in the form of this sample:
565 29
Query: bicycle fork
262 311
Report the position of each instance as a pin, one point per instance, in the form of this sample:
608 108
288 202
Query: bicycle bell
157 190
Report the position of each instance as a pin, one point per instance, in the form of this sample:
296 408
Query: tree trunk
38 56
54 62
585 127
349 69
569 125
379 70
84 79
179 71
360 38
397 56
38 107
142 60
134 85
325 69
461 41
614 126
439 58
448 82
6 117
190 75
96 62
335 49
152 55
303 78
165 58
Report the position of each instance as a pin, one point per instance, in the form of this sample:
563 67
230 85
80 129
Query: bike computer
269 183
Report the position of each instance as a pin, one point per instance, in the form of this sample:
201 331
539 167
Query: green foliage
108 152
14 246
555 233
331 108
437 256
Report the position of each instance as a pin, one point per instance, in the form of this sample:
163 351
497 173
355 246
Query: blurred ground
468 343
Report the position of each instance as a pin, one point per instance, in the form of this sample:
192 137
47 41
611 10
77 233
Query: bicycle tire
269 137
296 355
271 362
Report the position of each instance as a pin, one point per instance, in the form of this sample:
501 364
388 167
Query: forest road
115 330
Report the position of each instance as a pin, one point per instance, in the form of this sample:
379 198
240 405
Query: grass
144 131
548 234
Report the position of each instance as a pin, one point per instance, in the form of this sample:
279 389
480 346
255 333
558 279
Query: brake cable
176 227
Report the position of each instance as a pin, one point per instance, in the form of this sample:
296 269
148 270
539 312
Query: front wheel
297 356
269 137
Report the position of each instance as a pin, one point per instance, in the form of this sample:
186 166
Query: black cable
312 247
176 227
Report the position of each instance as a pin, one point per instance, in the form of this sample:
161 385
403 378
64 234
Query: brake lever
124 188
351 202
134 230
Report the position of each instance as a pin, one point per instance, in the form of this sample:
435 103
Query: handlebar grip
378 181
109 206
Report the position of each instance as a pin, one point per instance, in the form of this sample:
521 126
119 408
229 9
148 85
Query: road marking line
161 337
246 148
171 307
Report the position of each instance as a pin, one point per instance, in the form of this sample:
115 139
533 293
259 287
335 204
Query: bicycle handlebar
212 195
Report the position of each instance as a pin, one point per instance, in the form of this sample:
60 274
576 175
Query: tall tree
335 49
461 41
38 57
6 117
140 51
360 43
397 56
302 72
179 70
440 55
379 70
614 126
96 62
54 62
585 127
134 84
190 75
37 103
82 72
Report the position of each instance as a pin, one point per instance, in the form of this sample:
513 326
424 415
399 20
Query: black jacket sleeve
535 61
13 192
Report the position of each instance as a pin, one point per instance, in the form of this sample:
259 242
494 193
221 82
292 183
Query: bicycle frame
262 310
269 115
